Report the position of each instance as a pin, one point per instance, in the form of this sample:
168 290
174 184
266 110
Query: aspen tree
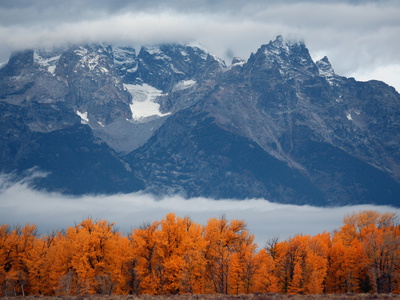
266 279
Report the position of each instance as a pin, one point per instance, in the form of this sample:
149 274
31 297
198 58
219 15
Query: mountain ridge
268 110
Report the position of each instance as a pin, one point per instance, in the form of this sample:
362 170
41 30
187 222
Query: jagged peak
85 49
123 51
152 50
284 48
290 56
18 61
163 49
156 48
125 59
238 61
25 56
325 65
285 44
325 69
167 52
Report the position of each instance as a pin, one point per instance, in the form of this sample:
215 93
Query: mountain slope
298 112
192 155
176 119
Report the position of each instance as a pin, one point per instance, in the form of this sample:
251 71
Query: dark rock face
75 161
94 87
41 93
192 155
277 126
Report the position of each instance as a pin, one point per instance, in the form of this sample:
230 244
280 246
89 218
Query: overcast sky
361 38
20 205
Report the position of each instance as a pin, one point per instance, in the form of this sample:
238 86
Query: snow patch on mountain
143 101
237 61
183 85
91 61
83 116
47 62
184 53
349 117
82 51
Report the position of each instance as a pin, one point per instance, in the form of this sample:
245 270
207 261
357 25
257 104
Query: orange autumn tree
243 264
316 263
345 270
16 257
88 259
171 239
285 257
145 259
266 277
308 256
169 257
230 248
193 247
365 255
178 256
40 266
300 264
381 246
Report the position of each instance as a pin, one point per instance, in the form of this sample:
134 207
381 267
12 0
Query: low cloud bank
19 204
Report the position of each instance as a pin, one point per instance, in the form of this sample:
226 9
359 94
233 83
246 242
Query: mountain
176 119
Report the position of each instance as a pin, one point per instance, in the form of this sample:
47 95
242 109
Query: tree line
179 256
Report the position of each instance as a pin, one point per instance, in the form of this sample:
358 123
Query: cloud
387 73
19 205
355 35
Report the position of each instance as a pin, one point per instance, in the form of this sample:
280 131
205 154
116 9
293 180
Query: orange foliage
178 256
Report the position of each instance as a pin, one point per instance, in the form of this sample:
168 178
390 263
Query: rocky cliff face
176 119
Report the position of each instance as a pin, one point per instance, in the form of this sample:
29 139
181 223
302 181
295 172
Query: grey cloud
50 211
359 37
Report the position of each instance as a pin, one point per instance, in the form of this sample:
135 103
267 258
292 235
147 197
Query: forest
179 256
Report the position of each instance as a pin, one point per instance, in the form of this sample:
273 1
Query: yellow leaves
302 262
178 256
170 254
365 241
16 254
266 277
297 285
89 258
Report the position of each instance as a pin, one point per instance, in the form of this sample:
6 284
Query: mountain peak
325 69
288 56
163 66
285 44
238 61
325 66
18 62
